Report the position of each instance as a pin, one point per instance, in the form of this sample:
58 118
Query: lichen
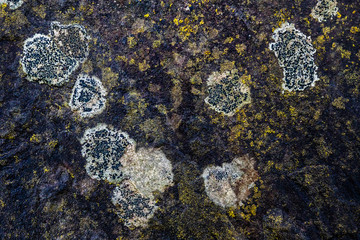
295 54
42 61
103 147
13 4
227 92
133 207
52 58
111 156
71 39
324 10
88 96
230 184
149 170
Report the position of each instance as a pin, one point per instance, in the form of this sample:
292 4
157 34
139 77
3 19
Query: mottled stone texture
154 59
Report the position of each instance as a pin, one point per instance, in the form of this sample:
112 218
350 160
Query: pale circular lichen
52 58
71 39
230 184
149 170
13 4
324 10
103 148
88 96
132 206
227 92
42 61
295 55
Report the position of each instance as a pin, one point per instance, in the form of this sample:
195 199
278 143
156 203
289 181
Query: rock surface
154 59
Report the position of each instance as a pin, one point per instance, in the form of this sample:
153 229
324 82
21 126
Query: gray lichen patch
42 61
88 96
103 148
52 58
295 54
149 169
324 10
71 39
227 92
230 184
13 4
132 206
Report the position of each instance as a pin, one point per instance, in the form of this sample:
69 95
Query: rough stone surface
154 59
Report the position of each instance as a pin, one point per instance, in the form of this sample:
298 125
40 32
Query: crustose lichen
324 9
103 148
295 54
227 92
230 184
13 4
88 96
52 58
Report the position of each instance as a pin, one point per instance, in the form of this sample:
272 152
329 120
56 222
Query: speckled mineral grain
295 54
230 184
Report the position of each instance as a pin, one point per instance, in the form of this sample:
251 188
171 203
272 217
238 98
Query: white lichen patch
149 170
132 206
88 96
44 62
52 58
103 148
324 10
227 92
13 4
71 39
295 55
111 155
230 184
